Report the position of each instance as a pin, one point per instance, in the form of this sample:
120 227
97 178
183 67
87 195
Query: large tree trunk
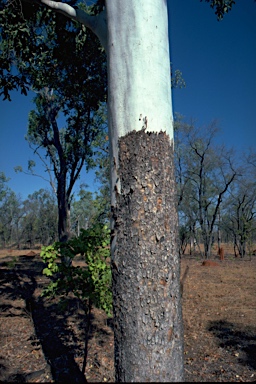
145 260
146 285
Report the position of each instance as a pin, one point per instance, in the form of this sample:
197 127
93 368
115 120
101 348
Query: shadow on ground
51 322
233 339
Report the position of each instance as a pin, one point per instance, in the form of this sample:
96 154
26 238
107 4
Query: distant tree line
33 222
216 197
216 191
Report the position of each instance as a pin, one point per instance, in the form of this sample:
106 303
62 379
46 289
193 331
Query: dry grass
219 313
17 252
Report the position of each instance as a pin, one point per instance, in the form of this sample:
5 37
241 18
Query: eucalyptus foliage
64 64
220 7
40 48
91 283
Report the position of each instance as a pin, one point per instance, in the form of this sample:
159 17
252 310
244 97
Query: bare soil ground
43 340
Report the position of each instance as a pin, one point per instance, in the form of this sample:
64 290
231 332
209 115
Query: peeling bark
145 262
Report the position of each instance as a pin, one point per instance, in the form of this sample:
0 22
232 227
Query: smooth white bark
134 34
139 66
139 74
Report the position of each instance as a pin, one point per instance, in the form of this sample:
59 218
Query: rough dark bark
63 217
145 263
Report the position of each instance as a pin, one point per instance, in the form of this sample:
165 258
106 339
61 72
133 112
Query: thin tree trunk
63 218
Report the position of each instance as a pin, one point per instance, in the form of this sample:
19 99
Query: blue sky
15 150
217 60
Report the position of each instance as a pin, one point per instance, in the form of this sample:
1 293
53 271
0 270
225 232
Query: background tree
10 214
205 172
240 209
83 211
68 149
69 83
40 217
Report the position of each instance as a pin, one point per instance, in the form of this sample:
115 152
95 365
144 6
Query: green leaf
47 272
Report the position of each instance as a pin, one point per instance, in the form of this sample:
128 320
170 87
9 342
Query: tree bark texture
145 262
63 212
63 217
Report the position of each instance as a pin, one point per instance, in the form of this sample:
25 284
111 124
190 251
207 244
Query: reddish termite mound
221 253
210 263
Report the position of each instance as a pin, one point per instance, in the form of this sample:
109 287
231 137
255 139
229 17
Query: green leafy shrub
91 283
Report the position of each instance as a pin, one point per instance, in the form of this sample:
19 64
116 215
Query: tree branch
97 24
50 180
